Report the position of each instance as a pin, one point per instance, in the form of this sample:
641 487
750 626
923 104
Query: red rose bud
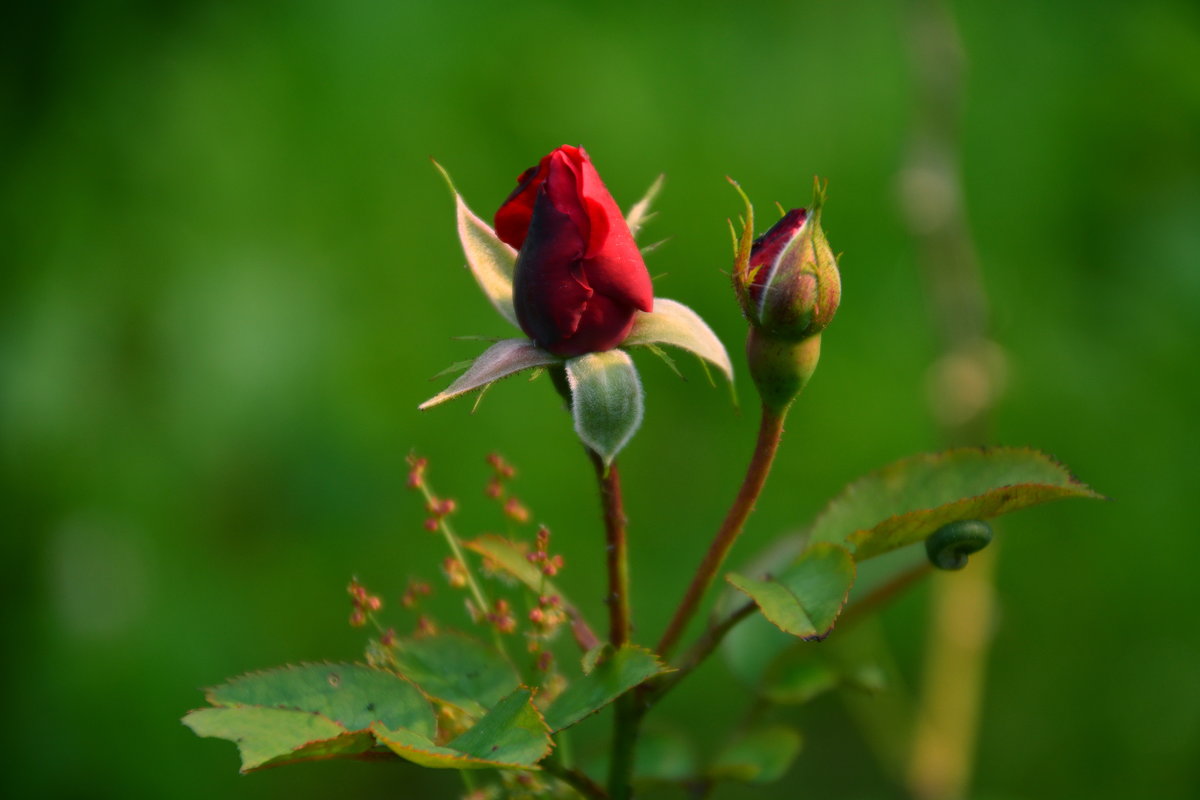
579 274
794 287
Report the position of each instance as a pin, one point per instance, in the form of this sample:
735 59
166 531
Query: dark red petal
513 216
767 247
604 325
549 292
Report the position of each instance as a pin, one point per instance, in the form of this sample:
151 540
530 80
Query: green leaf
513 735
662 757
456 670
677 325
807 598
797 678
638 215
759 757
351 695
906 501
504 358
491 261
269 737
511 558
608 680
606 400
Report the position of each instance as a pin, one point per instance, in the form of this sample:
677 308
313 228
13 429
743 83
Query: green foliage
608 679
758 757
352 695
607 401
513 734
457 670
906 501
269 737
806 599
309 712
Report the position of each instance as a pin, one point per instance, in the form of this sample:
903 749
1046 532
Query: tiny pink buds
416 474
502 617
364 603
425 627
413 594
455 572
515 511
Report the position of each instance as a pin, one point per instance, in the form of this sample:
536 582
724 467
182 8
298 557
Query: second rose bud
793 286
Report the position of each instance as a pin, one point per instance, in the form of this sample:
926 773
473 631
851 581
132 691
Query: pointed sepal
504 358
677 325
491 261
640 212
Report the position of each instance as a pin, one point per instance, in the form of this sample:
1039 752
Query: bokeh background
229 270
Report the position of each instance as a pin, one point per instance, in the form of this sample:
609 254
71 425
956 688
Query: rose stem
769 432
626 717
616 549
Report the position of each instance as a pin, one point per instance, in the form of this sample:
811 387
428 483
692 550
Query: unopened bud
793 286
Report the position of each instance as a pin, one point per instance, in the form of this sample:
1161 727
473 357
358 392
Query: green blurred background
229 271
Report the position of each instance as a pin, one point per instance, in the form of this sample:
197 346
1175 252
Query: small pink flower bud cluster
413 594
550 565
502 617
438 510
455 572
416 473
502 472
548 614
364 603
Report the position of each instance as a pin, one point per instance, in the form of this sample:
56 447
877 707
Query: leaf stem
769 433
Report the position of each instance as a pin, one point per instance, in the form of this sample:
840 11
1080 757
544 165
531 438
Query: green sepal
491 261
606 400
506 357
640 212
675 324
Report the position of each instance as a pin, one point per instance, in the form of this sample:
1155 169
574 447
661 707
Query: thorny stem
626 717
481 600
769 432
616 550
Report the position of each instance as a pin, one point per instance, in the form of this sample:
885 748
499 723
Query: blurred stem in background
963 385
